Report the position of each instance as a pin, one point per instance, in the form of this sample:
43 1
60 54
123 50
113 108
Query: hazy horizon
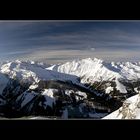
60 41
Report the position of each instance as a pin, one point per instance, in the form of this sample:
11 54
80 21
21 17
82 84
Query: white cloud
92 49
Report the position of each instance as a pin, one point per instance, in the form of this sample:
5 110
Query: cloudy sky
58 41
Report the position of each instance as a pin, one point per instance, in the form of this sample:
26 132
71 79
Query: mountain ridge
80 88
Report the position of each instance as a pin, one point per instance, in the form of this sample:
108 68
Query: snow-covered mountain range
93 70
87 88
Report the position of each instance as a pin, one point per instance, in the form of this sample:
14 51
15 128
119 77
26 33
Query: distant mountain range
86 88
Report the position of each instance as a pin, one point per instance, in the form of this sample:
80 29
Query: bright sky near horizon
58 41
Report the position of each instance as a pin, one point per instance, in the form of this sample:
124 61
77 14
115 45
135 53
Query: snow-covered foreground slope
129 110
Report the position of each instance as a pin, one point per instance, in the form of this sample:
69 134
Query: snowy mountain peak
32 72
90 60
87 68
91 70
99 68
